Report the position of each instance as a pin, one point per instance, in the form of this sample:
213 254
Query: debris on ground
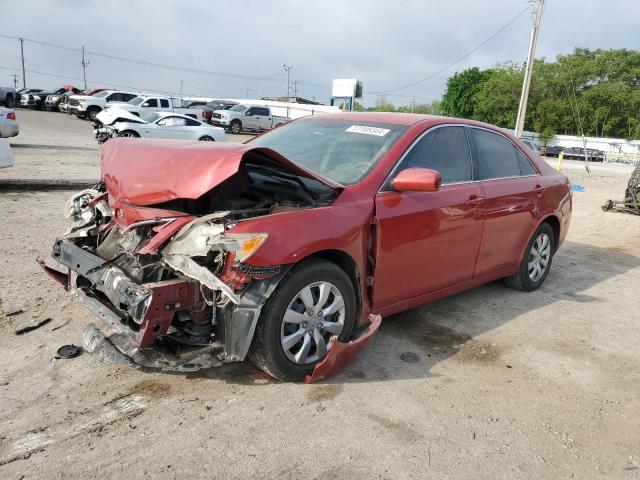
409 357
68 351
27 327
61 325
631 202
16 311
577 187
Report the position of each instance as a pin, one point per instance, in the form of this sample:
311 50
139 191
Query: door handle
474 200
538 190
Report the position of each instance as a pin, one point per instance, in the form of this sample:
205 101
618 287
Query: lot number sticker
378 132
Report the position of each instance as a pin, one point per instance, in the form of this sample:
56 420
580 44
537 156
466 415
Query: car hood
147 172
109 115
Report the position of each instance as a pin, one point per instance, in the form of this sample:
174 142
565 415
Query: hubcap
315 314
539 256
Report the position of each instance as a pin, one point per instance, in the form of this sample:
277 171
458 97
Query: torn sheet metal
194 239
189 268
341 354
60 277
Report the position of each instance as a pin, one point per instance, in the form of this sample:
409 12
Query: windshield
136 100
341 150
152 117
103 93
238 108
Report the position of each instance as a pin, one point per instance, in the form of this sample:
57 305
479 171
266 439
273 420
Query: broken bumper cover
150 306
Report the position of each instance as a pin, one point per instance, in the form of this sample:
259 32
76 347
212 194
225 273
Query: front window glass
238 108
341 150
136 101
102 94
444 150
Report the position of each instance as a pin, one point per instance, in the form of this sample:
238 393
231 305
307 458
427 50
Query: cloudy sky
239 47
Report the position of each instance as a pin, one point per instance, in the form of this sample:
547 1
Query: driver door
169 127
251 119
426 241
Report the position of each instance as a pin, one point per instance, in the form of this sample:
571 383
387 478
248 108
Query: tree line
588 92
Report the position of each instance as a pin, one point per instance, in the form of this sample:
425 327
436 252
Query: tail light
11 116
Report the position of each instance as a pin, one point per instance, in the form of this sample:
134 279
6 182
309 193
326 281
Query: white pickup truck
256 118
88 107
145 104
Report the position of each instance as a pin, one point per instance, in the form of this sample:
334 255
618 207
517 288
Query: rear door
512 189
265 118
426 241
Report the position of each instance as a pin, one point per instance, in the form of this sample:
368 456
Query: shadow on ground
450 326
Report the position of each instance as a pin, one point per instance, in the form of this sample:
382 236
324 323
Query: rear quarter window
526 168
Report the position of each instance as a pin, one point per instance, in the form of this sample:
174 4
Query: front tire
92 113
536 261
206 138
313 302
235 127
129 134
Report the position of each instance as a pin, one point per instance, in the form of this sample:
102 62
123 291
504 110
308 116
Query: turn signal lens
11 116
247 244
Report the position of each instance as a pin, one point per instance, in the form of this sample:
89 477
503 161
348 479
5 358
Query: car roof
397 118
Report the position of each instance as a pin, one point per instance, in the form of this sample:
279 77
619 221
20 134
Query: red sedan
278 248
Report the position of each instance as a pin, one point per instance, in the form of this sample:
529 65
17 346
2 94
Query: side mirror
248 113
417 180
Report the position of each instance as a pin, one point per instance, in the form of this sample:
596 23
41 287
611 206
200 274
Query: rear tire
206 138
267 350
536 261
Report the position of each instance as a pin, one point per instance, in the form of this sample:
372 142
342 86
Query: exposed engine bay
175 276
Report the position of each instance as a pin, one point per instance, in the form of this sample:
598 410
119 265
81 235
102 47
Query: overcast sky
384 43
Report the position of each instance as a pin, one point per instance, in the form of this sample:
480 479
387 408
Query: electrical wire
428 77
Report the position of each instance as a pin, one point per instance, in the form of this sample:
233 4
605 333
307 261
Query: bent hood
145 172
111 114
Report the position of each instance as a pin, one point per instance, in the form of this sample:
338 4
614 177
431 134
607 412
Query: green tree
460 98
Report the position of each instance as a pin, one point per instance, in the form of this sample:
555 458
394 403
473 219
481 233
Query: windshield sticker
378 132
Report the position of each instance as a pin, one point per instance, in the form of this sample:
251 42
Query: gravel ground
508 384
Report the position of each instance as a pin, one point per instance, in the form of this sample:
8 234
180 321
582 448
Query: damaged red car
196 254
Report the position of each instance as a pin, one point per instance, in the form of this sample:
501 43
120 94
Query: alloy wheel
539 257
316 313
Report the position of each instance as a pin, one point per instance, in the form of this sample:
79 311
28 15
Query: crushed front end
168 280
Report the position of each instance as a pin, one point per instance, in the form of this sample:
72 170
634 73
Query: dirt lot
508 385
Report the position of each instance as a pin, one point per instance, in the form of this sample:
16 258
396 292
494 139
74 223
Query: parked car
88 106
63 105
6 157
8 96
530 144
32 97
52 101
115 122
256 118
275 248
209 108
553 151
577 153
146 104
8 124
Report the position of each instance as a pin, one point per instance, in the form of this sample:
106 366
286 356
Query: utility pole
524 96
181 83
413 102
24 77
84 68
295 88
15 82
287 68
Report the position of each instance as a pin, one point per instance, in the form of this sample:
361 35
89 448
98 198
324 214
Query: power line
428 77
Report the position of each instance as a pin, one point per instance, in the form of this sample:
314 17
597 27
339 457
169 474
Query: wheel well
207 136
348 264
553 221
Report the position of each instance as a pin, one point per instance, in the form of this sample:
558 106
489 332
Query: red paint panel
147 172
